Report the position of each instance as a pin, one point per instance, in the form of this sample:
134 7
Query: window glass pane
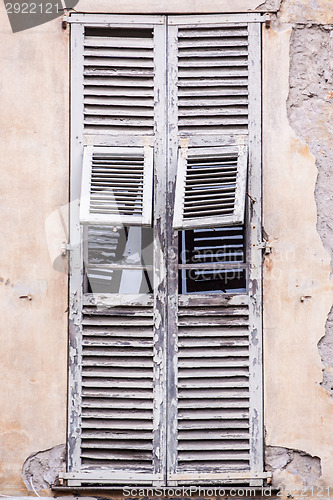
208 254
118 259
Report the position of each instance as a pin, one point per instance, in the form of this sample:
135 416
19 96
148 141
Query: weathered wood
115 434
101 342
214 21
112 41
213 32
228 321
113 403
255 253
209 403
228 434
119 445
215 372
198 363
118 393
214 311
119 372
75 260
108 58
211 300
209 360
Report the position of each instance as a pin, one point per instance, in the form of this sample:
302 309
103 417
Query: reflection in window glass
119 259
208 254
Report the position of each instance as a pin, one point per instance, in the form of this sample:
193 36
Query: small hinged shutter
210 187
116 185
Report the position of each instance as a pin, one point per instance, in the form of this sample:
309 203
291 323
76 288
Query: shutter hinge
66 247
266 246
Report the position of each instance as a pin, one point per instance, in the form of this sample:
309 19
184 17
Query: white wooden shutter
213 79
216 409
213 385
116 357
117 186
117 387
127 412
118 84
211 186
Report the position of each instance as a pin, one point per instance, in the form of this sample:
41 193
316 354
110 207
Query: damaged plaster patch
310 112
325 347
296 462
270 5
41 470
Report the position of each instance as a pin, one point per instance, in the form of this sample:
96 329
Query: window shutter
118 84
165 388
210 188
116 404
213 79
213 386
117 387
117 186
215 353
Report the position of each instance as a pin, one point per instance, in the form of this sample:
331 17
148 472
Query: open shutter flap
210 187
117 186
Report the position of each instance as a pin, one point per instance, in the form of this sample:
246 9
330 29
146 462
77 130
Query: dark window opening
212 260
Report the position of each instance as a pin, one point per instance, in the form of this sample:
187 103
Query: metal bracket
267 21
66 247
266 246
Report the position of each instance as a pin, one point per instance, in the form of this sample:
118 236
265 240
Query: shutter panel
117 387
213 79
117 411
215 411
118 81
213 384
117 186
210 188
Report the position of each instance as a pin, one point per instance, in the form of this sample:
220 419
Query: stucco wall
34 164
34 182
297 289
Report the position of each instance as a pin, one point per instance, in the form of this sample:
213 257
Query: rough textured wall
297 286
310 112
175 6
33 296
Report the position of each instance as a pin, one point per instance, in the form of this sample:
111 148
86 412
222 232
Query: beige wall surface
298 292
34 134
174 6
34 183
